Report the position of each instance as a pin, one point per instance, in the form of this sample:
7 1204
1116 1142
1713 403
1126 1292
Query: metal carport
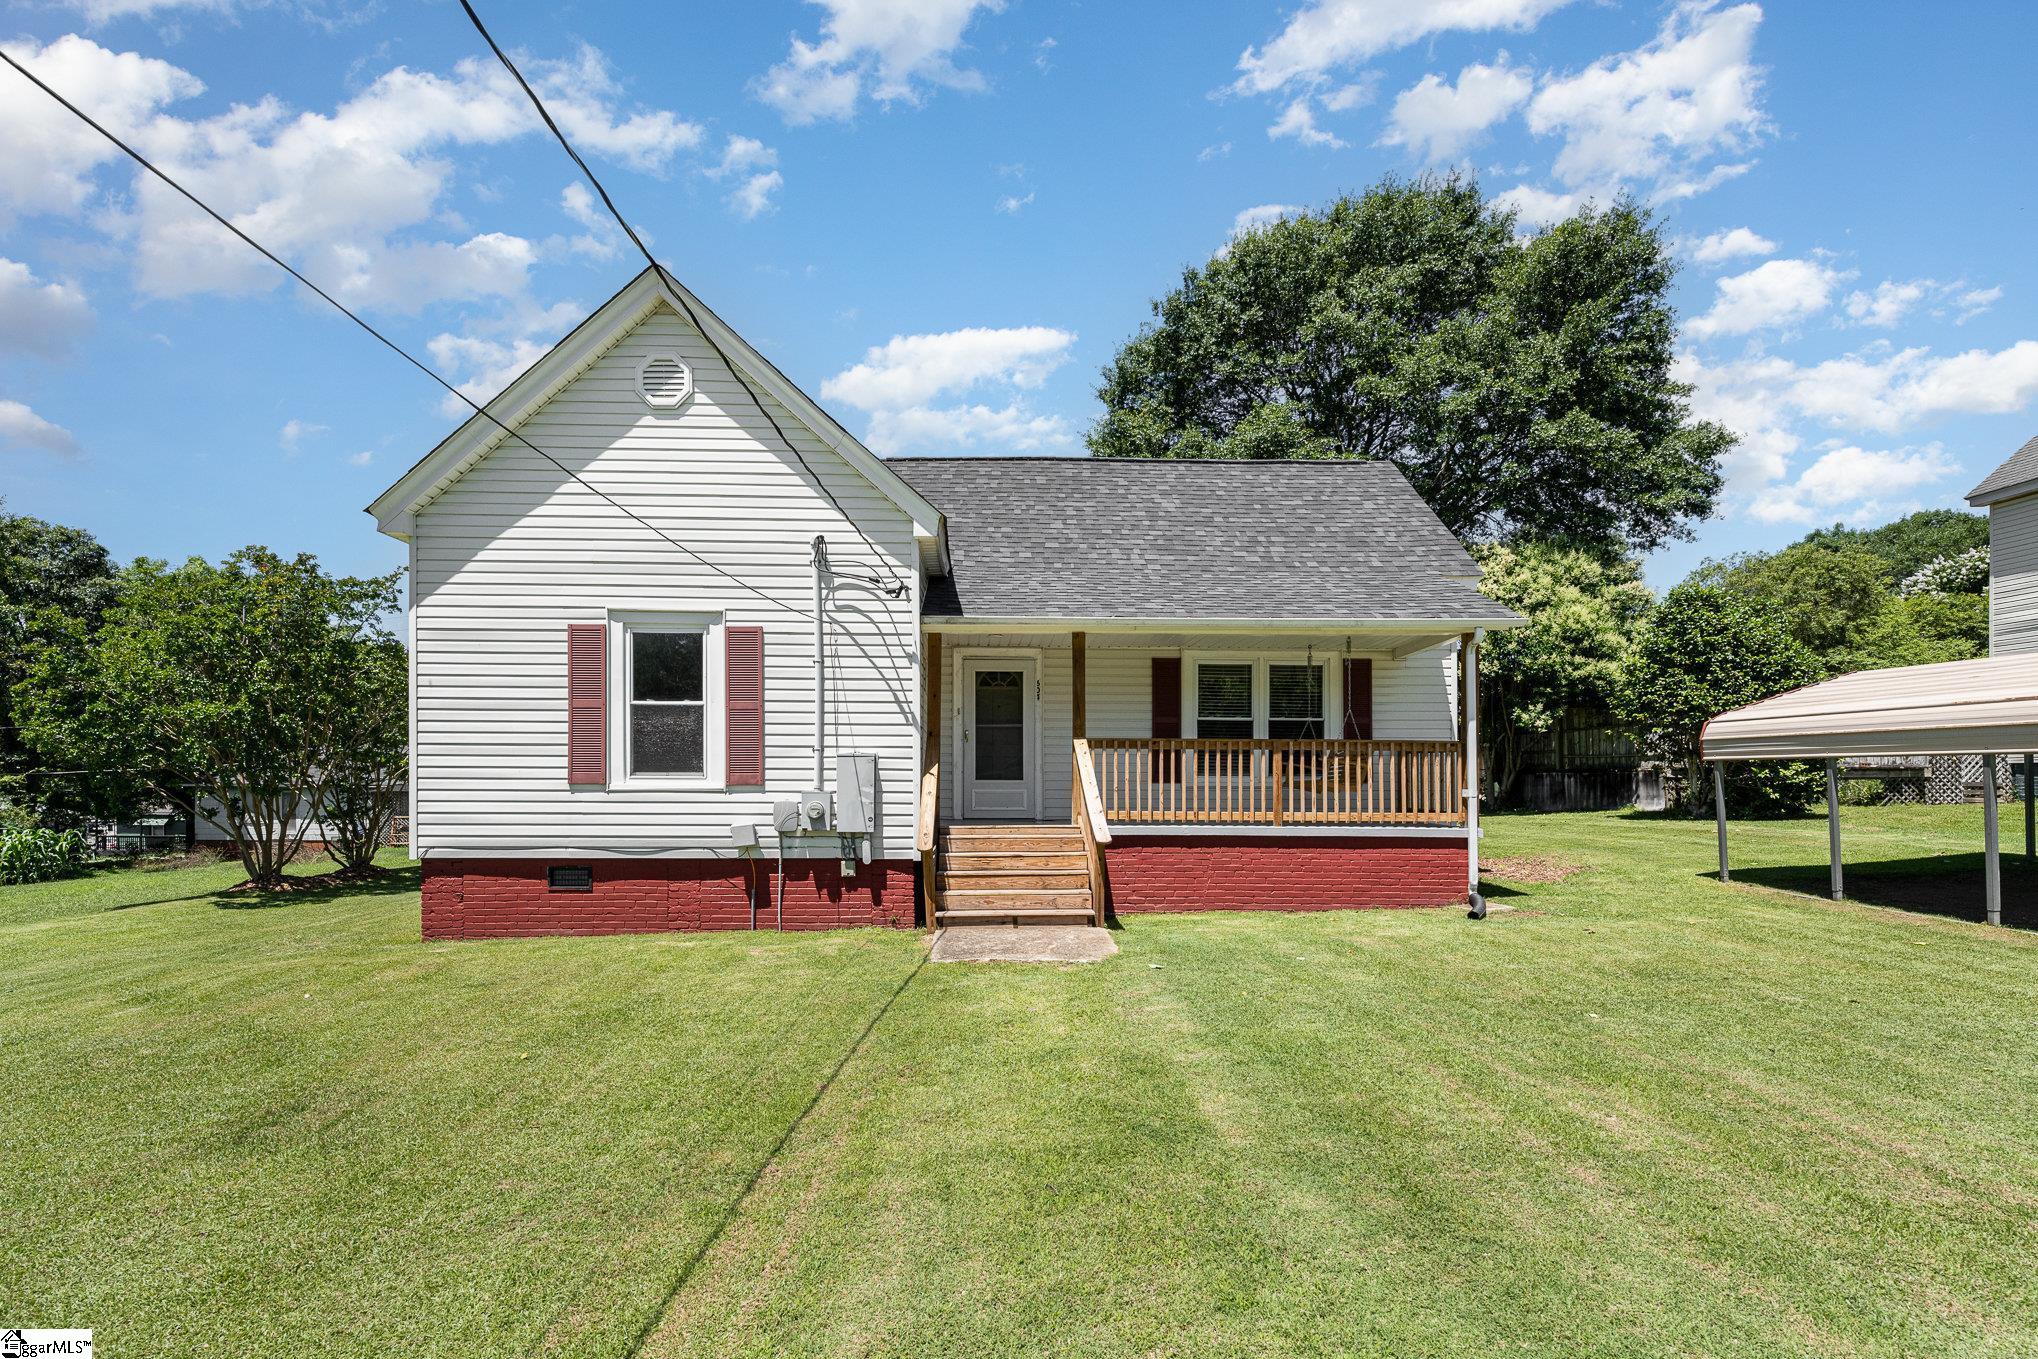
1987 708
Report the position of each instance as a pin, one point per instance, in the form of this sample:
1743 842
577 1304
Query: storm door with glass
1000 780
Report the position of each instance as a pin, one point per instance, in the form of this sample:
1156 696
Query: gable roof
2018 476
605 327
1155 539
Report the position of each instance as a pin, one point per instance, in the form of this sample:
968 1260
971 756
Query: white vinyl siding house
2013 576
512 551
619 571
2010 494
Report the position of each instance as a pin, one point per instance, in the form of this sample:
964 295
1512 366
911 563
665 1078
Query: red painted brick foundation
500 898
1267 873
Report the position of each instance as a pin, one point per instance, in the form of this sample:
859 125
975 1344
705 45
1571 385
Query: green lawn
1635 1113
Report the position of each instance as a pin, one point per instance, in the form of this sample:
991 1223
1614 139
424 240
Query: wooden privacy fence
1213 782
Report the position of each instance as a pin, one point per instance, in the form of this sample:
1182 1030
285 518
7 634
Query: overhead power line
390 344
898 586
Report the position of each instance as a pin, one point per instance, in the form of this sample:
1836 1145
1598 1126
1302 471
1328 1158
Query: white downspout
1478 903
820 661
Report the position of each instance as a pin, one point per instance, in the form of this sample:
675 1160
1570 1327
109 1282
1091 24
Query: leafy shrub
1703 652
34 854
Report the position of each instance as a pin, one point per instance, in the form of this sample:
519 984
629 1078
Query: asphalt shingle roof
1124 538
2022 467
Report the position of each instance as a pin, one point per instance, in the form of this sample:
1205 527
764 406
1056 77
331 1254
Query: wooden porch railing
1086 803
1212 782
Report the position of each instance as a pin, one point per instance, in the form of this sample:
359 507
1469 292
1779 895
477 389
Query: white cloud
295 432
600 238
1729 245
1772 294
1437 120
898 382
494 352
106 11
1214 151
1012 203
39 318
1327 34
1890 301
753 162
1260 215
341 194
361 459
1974 302
1540 207
47 156
922 427
1766 400
1853 484
888 50
23 428
1656 112
1356 95
752 197
1298 120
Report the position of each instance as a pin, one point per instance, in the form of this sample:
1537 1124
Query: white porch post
1994 869
1471 702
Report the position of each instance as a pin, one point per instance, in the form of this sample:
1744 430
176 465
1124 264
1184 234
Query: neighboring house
2010 494
1037 684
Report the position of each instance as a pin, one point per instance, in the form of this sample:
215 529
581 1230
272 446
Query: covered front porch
1351 752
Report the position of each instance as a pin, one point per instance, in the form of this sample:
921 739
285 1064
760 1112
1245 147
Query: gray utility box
856 799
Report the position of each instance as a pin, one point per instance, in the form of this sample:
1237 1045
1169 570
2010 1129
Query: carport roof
1986 707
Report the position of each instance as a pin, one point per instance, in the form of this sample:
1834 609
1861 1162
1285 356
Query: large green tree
1583 612
236 680
55 583
1521 382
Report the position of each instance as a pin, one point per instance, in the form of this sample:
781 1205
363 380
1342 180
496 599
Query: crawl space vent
664 381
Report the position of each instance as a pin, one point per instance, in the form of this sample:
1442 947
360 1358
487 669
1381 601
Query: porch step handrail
1088 806
1279 782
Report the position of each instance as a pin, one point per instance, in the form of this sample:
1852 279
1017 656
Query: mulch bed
1534 870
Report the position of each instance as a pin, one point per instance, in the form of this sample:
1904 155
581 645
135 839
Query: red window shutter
1358 700
743 703
1167 715
587 703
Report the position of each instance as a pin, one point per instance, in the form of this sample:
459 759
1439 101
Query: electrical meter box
856 794
807 814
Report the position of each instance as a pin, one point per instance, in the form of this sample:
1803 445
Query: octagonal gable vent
663 381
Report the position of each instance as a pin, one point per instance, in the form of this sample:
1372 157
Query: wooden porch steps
1010 875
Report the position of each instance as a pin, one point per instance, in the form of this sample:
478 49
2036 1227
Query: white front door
1000 780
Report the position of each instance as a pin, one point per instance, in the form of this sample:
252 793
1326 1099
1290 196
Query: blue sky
943 216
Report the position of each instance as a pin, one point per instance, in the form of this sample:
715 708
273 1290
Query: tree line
261 694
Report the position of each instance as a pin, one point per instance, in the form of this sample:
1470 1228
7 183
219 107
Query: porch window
1295 702
668 701
1224 701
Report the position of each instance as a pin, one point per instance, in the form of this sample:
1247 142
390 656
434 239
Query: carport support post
1719 808
1994 870
2030 808
1833 824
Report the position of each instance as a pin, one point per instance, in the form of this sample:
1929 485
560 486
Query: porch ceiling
1264 637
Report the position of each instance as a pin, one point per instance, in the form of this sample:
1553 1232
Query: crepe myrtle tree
1703 651
239 683
1522 382
366 775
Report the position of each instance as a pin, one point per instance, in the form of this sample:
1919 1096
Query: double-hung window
1295 702
665 697
1238 700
